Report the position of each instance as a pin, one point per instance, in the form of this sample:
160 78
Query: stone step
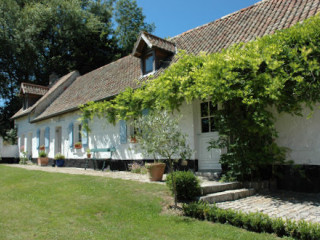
215 187
209 175
229 195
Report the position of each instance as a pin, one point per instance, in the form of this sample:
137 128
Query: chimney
52 79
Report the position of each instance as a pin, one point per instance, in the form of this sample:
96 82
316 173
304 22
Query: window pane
212 125
204 109
213 108
205 125
79 134
148 64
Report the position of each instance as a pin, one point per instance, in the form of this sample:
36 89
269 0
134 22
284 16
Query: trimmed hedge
256 222
187 185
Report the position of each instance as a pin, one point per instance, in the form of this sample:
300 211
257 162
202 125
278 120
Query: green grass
41 205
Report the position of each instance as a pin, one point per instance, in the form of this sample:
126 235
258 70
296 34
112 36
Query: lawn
41 205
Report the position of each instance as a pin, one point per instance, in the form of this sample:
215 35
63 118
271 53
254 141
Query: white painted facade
103 135
301 135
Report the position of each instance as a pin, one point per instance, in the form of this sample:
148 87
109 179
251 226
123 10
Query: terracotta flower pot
88 155
133 140
156 171
43 161
78 146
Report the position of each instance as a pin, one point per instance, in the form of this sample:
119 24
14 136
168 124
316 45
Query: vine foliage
250 81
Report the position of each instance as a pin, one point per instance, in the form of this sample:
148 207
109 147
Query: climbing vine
250 81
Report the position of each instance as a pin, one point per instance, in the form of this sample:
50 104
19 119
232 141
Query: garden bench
94 158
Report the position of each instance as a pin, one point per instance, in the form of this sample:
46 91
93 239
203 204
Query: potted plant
88 153
78 145
133 139
42 148
156 170
43 158
59 158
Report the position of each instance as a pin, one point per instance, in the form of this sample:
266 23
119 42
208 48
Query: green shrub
43 154
257 222
59 156
187 184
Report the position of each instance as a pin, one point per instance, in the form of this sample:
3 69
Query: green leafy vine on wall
279 71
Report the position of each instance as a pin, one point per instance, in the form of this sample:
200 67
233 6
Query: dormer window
153 52
148 64
31 93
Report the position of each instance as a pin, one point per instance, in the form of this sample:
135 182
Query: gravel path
91 172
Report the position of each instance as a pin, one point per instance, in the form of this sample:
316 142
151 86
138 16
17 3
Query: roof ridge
219 19
160 38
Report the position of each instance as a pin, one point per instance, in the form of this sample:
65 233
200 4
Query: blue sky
173 17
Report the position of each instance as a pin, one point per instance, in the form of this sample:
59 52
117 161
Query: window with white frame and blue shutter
38 139
47 138
70 130
123 131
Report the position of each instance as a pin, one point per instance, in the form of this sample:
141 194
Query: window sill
148 74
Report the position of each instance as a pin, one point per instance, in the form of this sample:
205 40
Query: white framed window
41 137
207 115
148 63
77 133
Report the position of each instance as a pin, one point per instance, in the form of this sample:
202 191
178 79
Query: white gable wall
301 135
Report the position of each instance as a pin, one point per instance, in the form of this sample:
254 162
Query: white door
208 159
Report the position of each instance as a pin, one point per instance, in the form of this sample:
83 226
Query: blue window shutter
145 112
85 140
38 139
71 135
47 138
123 131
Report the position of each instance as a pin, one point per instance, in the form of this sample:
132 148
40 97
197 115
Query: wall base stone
124 165
299 178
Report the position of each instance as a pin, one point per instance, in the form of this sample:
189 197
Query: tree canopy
40 37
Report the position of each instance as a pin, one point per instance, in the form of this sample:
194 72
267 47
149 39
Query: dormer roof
29 88
148 40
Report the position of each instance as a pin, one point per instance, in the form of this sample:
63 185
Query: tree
159 135
40 37
131 21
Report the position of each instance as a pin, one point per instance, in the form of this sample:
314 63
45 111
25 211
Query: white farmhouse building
50 115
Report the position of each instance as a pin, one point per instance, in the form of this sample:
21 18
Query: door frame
203 163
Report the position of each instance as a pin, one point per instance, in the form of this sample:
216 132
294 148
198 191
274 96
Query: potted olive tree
43 158
59 158
160 136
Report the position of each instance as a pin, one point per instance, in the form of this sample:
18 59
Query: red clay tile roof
260 19
101 83
263 18
29 88
49 91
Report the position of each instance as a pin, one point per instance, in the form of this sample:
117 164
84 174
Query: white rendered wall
301 135
8 151
102 135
